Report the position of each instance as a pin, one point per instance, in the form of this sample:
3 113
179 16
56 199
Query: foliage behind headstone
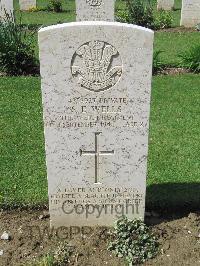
55 6
140 12
190 59
17 56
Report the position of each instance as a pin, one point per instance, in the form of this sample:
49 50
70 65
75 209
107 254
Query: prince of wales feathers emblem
95 70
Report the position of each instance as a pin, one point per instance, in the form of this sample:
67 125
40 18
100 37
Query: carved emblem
97 66
94 2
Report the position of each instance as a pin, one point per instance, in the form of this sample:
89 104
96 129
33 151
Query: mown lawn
174 151
174 166
68 14
171 43
49 18
23 174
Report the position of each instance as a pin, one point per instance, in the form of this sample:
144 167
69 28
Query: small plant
190 59
163 20
140 12
55 6
122 16
60 257
1 198
157 63
62 254
133 241
46 260
17 56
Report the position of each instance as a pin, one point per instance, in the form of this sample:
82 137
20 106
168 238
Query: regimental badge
94 2
97 66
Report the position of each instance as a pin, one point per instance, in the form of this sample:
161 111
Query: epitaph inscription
93 65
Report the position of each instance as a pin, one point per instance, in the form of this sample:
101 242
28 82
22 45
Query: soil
179 240
173 71
178 30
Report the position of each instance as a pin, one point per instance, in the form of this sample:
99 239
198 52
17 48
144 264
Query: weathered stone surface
27 4
165 4
96 86
93 10
190 13
6 7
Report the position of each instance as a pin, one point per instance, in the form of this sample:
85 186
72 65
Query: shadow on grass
173 197
171 201
176 8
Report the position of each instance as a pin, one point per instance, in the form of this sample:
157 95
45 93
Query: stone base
27 4
166 5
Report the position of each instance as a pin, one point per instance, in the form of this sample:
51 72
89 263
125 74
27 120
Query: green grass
23 176
68 14
46 18
176 13
173 43
174 166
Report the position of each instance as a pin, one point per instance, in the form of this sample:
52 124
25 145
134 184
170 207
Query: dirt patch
173 71
179 240
178 30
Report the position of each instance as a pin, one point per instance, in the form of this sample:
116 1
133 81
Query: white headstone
93 10
190 13
6 7
165 4
96 86
27 4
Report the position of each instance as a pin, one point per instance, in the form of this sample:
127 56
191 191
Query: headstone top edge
93 23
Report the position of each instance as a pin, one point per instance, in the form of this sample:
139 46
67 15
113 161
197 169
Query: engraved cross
97 153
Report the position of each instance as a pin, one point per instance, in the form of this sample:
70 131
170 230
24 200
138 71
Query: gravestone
27 4
6 7
165 4
96 86
93 10
190 13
